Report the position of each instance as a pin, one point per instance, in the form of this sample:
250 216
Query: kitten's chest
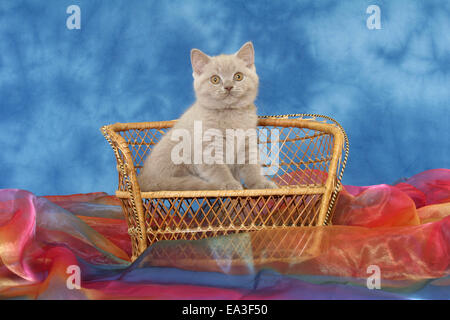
233 120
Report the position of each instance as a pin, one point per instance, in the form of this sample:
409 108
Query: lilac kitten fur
225 87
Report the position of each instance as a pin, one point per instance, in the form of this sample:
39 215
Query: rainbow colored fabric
403 230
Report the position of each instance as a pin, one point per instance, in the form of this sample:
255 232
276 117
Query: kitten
225 87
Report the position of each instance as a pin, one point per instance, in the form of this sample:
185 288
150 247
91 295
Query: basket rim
280 122
280 191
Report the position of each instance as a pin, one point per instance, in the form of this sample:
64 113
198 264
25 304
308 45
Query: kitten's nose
229 88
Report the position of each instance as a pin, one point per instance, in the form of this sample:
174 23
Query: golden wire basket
309 172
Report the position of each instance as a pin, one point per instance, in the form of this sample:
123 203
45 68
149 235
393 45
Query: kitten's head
227 80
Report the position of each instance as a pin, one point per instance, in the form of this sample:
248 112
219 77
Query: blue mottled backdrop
389 88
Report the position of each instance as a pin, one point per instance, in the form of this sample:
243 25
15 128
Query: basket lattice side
132 205
342 161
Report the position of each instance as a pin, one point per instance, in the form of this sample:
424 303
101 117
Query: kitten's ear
198 60
247 53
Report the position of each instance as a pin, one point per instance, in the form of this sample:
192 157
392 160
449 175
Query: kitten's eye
238 76
215 79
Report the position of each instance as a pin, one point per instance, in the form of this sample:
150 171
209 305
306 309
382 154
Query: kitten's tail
174 184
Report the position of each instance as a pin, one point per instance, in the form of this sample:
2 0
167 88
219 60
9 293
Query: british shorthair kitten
225 88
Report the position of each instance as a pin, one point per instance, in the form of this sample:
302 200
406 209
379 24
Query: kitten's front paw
231 185
263 184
